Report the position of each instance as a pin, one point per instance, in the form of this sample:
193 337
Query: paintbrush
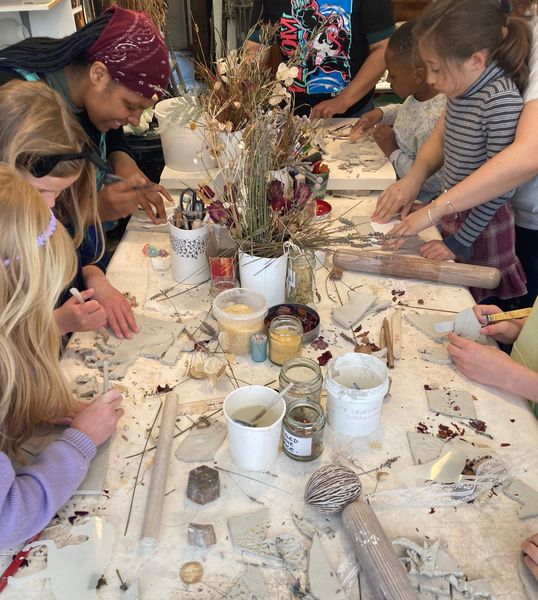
78 296
506 316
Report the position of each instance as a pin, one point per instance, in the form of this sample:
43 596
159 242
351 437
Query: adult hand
98 420
328 108
436 250
73 316
120 316
505 332
397 198
481 363
530 550
386 138
365 123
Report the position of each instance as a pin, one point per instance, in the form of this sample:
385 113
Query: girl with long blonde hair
37 260
41 139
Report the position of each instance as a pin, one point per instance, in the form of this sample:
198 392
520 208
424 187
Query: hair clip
41 238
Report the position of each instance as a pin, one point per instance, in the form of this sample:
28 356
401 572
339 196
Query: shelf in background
10 6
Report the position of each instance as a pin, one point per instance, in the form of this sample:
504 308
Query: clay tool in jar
76 294
521 313
265 409
388 343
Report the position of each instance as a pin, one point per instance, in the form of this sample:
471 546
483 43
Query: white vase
184 149
264 275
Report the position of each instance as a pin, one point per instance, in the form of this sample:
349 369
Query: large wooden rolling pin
375 554
416 267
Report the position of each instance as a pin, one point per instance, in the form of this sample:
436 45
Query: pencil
510 314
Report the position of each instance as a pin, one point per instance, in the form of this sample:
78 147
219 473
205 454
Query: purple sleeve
30 496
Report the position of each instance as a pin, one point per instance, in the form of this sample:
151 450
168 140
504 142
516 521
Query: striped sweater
478 125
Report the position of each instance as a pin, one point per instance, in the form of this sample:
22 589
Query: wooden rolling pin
416 267
375 554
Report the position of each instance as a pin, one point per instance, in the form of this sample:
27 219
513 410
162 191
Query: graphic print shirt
331 37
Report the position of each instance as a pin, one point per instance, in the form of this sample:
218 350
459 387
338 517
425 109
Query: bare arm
255 51
365 79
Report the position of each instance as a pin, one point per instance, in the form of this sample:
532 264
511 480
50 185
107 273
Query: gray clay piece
424 447
250 586
454 403
426 323
323 581
467 325
201 444
530 585
201 535
351 313
524 495
203 485
435 354
248 530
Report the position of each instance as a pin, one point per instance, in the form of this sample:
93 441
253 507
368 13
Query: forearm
367 76
429 157
515 165
92 275
522 381
122 163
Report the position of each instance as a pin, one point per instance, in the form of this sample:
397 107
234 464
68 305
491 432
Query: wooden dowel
388 343
396 329
416 267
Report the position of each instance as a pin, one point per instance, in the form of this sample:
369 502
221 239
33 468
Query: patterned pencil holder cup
189 260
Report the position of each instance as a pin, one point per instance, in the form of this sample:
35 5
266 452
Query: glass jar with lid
285 339
305 374
302 430
300 280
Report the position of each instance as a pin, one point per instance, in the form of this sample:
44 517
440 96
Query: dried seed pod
331 488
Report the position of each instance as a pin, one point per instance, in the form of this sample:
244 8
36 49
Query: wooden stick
416 267
154 503
388 343
521 313
396 328
374 551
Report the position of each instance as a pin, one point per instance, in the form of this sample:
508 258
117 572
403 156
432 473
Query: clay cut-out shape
524 495
454 403
351 313
426 324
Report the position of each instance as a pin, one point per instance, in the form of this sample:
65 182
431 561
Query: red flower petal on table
324 358
319 343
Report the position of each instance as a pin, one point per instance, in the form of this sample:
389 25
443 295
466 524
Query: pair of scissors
191 207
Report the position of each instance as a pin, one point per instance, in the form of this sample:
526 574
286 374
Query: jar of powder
302 430
305 375
285 339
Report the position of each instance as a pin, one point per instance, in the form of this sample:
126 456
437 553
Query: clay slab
530 585
454 403
524 495
424 448
250 586
248 530
324 584
201 444
435 354
426 324
351 313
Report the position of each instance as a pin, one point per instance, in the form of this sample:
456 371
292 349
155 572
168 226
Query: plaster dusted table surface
484 536
342 177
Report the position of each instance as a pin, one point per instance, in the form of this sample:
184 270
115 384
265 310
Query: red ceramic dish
323 209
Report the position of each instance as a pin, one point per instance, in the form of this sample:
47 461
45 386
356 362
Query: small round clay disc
191 572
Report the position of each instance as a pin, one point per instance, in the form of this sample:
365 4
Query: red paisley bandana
134 53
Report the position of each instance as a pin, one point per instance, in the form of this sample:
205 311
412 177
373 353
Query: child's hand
386 138
505 332
98 420
68 418
484 364
118 309
530 550
436 250
365 123
411 225
73 316
399 196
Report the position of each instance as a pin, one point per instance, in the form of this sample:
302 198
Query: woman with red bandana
108 72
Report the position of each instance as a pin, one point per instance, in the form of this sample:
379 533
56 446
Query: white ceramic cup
253 448
189 261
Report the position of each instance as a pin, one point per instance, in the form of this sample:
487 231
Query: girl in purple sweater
37 261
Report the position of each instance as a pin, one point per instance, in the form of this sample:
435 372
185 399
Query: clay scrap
323 581
350 314
434 573
202 443
153 341
427 323
435 354
250 586
454 403
424 447
526 496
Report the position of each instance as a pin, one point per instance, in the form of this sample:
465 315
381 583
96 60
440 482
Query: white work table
355 178
484 536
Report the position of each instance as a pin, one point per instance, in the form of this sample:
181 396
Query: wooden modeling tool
388 343
521 313
76 294
396 330
416 267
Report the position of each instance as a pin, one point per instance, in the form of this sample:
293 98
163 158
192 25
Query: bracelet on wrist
449 204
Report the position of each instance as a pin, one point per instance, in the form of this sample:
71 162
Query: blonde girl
37 260
39 137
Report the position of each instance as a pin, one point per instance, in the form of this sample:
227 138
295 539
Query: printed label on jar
297 445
